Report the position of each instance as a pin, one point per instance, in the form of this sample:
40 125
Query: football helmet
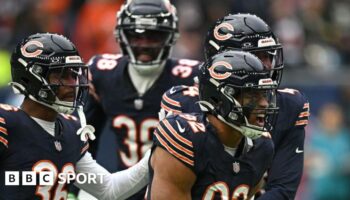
146 31
38 58
248 33
236 88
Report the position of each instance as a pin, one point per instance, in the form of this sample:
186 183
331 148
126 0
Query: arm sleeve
119 185
286 170
3 135
287 167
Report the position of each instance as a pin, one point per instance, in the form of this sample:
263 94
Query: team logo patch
73 59
220 76
58 145
38 45
138 103
221 37
236 168
266 42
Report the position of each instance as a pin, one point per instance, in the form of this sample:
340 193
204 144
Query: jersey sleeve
119 185
174 136
3 134
7 120
286 169
295 108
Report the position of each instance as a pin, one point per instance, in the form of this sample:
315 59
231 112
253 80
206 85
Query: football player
42 136
208 155
127 88
250 33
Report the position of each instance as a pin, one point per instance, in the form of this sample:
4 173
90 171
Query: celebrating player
250 33
41 136
208 155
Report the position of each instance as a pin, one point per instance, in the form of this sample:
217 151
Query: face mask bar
75 76
245 101
276 57
149 42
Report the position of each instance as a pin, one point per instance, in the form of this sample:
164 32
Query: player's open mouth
69 97
260 120
145 58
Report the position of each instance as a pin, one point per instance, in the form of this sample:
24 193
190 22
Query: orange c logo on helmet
32 54
217 75
221 37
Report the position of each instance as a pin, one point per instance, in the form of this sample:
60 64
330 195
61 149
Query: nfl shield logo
58 145
138 103
236 167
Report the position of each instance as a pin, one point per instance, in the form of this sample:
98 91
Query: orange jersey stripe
3 130
2 120
175 144
170 101
179 137
169 109
4 141
306 105
301 122
304 114
170 150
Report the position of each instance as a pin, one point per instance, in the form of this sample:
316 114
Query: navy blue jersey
288 137
194 142
116 101
26 146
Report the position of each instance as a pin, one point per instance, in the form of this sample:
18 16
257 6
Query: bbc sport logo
16 178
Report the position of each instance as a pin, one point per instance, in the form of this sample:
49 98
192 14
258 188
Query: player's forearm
125 183
119 185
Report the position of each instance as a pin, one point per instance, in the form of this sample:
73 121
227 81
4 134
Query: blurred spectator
93 33
289 30
327 156
5 75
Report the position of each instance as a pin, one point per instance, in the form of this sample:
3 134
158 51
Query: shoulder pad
176 134
296 105
181 99
184 68
104 62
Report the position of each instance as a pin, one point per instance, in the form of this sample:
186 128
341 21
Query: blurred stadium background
315 35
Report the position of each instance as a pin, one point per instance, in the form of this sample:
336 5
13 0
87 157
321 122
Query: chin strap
86 132
254 134
247 131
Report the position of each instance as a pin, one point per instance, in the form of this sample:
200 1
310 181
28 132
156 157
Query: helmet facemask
147 49
252 107
60 78
272 57
43 82
148 27
237 88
